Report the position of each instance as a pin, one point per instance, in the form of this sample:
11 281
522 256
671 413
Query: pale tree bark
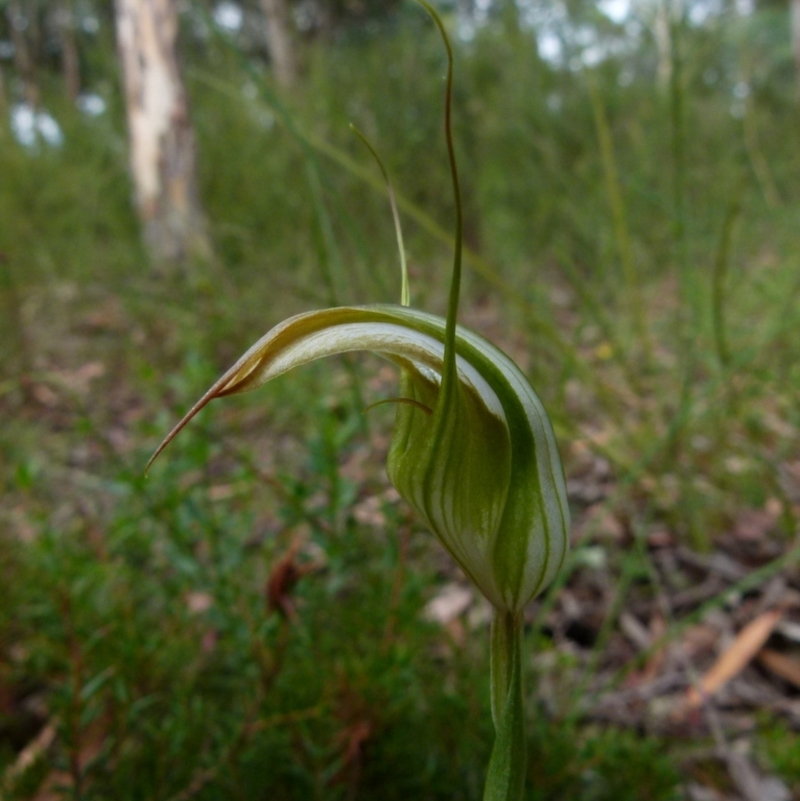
663 36
162 144
280 41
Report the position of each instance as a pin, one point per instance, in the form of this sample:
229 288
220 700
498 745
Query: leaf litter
660 638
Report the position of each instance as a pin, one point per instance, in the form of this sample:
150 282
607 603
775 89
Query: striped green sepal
476 456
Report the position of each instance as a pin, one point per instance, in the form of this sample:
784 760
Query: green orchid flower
473 452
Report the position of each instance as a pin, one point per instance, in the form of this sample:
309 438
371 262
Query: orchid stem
449 369
506 777
405 293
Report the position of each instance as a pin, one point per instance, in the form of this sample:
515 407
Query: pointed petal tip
183 422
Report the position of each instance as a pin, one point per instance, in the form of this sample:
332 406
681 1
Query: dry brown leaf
655 664
660 537
449 603
636 632
604 524
198 601
755 524
737 656
369 512
30 754
287 571
106 317
699 639
781 665
22 526
92 740
224 492
80 379
44 395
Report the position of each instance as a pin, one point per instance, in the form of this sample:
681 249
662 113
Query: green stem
630 275
687 314
721 265
506 777
449 377
405 295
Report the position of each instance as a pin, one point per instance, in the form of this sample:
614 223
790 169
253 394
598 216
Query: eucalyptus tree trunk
162 144
662 32
280 41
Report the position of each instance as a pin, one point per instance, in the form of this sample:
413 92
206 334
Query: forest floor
264 611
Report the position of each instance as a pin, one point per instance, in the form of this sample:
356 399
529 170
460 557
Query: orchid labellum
473 452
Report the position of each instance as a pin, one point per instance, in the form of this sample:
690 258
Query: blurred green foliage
781 750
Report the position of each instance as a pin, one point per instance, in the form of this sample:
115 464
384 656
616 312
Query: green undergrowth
154 641
135 614
781 752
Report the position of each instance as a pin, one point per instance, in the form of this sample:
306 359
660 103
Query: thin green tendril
405 295
449 367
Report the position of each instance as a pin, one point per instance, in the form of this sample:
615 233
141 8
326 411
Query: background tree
64 19
162 142
18 22
280 40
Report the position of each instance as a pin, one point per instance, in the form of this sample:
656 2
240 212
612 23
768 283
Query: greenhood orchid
473 452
